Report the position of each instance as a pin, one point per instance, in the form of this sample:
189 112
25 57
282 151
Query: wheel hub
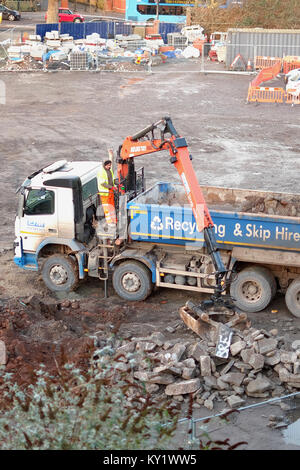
58 275
251 291
131 282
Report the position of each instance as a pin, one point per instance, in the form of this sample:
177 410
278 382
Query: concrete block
266 345
182 388
233 378
234 401
257 361
205 366
259 385
237 347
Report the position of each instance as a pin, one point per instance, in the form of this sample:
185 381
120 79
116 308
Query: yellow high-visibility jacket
102 177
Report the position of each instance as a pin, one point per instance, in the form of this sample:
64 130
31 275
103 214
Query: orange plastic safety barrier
267 74
261 62
260 94
290 63
271 95
266 94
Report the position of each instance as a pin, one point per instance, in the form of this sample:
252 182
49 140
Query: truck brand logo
156 223
35 223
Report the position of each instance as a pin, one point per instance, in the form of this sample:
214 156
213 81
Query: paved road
33 18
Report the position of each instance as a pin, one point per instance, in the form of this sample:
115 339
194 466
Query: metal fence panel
42 29
106 29
76 30
166 28
265 42
101 27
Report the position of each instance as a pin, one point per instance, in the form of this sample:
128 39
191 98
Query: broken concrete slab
205 366
258 386
234 401
176 353
266 345
237 347
196 351
233 378
188 373
288 357
257 361
182 388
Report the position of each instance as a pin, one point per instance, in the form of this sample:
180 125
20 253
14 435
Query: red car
66 15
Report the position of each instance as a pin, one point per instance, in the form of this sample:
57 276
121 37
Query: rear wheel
132 281
253 289
60 273
292 298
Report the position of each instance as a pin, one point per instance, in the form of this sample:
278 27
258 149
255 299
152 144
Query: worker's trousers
108 204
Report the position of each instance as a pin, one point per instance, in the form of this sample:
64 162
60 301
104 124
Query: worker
106 190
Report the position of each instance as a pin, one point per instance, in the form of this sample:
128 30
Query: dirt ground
51 116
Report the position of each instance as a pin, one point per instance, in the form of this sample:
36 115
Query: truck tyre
253 289
60 273
132 281
292 297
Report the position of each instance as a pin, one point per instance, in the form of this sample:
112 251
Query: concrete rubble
259 365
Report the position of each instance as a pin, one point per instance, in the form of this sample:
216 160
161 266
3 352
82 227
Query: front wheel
60 273
77 20
253 289
11 18
292 298
132 281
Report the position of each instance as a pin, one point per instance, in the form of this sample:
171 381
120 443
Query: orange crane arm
133 147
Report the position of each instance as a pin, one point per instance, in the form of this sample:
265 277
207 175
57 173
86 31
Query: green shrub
95 409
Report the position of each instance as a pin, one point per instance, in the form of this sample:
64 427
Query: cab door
61 15
39 219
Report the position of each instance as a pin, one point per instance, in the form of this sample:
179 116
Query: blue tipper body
171 224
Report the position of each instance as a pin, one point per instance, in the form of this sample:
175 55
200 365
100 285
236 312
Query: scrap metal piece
224 341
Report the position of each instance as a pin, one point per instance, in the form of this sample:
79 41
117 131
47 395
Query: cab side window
89 189
39 202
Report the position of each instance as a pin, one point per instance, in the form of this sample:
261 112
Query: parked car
66 15
8 14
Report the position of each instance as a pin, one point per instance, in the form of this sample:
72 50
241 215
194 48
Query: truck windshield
39 202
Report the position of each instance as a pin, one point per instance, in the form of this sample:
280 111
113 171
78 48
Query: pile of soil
36 332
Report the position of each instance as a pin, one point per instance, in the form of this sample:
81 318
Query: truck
248 253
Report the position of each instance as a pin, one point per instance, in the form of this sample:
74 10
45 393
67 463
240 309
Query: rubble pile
286 205
35 53
175 361
259 365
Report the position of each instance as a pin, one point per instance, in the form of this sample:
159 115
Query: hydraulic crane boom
143 143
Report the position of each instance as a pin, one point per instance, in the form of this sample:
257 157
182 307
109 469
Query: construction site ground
80 115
